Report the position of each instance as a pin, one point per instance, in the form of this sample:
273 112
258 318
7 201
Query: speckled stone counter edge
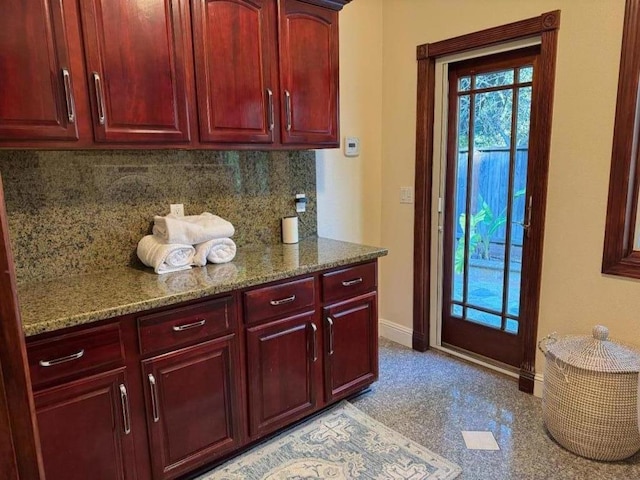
82 299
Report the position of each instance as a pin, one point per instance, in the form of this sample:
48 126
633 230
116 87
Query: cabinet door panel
351 361
193 404
309 73
235 70
83 429
136 66
37 100
281 362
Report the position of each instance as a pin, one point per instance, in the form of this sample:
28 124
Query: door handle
68 95
154 398
282 301
314 329
287 106
126 417
330 323
526 225
270 107
99 98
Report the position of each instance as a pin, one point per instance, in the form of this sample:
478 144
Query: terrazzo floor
431 397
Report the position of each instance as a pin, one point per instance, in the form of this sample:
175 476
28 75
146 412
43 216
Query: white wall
349 188
575 295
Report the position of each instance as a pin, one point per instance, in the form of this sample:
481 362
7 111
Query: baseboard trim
395 332
537 385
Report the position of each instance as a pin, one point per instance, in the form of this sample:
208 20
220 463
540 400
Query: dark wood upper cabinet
308 73
236 74
143 73
136 61
37 99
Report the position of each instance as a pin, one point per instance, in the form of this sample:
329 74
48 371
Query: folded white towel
164 257
218 250
192 229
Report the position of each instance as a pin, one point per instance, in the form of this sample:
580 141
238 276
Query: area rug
341 444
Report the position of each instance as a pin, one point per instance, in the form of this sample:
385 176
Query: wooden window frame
546 27
619 257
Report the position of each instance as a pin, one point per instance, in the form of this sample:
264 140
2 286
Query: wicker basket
590 395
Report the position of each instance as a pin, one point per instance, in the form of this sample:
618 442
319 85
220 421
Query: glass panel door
487 204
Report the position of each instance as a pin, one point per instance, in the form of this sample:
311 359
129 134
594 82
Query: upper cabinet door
136 54
236 70
309 74
37 101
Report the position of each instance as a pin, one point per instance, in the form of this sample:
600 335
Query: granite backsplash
74 212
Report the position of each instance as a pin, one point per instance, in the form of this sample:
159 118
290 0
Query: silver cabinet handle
270 107
314 329
68 95
124 398
330 322
287 106
99 97
283 301
154 398
348 283
58 361
180 328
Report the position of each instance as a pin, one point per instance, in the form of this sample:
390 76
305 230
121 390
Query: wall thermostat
351 146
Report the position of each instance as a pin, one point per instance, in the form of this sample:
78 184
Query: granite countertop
66 302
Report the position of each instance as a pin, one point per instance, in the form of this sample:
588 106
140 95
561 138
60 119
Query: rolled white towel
192 229
218 250
164 257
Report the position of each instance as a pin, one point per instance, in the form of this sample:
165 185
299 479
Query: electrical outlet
406 194
177 209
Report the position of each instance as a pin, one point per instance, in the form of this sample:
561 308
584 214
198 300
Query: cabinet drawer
186 325
63 356
348 282
277 300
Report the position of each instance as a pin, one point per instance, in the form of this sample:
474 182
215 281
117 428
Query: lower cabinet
203 381
85 429
351 352
282 358
194 406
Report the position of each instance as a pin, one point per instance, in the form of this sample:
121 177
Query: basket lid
596 353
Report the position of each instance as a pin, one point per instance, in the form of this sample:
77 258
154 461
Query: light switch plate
177 209
406 194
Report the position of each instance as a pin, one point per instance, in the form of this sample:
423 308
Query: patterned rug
341 444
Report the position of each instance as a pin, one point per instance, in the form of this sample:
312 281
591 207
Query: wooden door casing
308 39
236 70
138 70
351 346
194 410
282 357
83 429
38 99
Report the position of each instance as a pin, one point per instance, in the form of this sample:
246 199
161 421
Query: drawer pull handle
355 281
180 328
314 329
282 301
124 398
330 322
154 398
58 361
